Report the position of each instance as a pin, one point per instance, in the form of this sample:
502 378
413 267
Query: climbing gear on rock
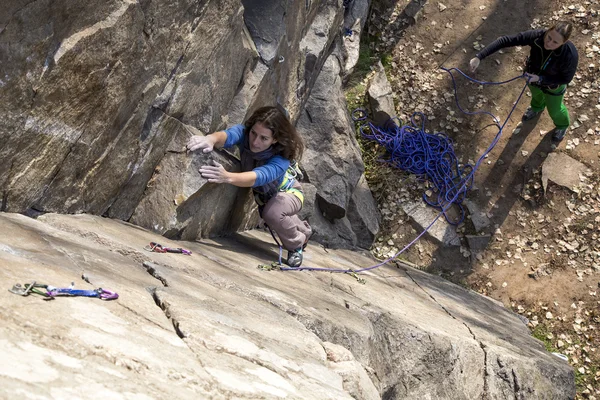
294 258
103 294
51 292
274 266
158 248
530 114
353 274
26 289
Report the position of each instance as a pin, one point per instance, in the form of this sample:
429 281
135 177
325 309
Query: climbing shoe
294 259
530 114
558 134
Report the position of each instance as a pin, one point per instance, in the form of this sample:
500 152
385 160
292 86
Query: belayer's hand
531 78
200 142
215 173
474 63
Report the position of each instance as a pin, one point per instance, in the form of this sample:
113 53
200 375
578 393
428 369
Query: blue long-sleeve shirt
273 170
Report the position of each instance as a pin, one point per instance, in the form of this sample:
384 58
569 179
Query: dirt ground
543 256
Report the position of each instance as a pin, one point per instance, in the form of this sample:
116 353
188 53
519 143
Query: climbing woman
268 144
551 65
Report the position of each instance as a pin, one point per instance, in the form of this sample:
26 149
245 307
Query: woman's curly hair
289 143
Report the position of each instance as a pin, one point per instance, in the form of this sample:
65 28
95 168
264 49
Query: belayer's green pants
556 108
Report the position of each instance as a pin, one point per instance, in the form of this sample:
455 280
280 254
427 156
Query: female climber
551 65
268 143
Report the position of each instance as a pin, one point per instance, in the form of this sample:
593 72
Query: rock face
95 98
355 18
91 87
333 164
213 326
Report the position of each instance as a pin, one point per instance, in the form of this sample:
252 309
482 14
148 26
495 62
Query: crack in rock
166 307
152 269
134 312
516 386
485 394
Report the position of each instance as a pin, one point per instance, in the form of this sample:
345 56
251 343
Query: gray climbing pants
280 214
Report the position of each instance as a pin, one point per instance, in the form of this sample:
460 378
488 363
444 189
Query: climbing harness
158 248
50 292
292 174
458 189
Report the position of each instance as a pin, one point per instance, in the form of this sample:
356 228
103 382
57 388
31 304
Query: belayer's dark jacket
554 67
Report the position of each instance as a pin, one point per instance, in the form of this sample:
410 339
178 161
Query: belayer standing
268 143
551 65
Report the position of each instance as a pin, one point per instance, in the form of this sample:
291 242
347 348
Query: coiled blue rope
430 156
458 189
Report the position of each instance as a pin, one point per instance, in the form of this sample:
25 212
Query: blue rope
429 156
458 189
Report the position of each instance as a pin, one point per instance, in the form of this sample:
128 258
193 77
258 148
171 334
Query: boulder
478 217
423 215
562 170
380 95
343 213
413 10
336 234
293 40
266 22
316 46
363 214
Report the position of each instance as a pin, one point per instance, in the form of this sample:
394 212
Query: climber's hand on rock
197 142
215 173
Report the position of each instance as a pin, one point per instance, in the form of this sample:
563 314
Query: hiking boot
530 114
294 259
558 134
